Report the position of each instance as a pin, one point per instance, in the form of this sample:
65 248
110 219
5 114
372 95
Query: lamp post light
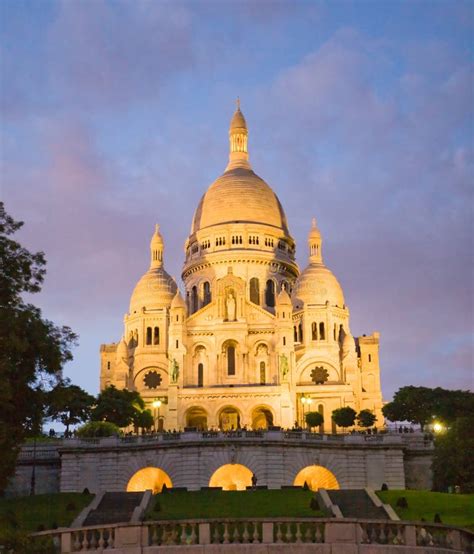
306 402
156 416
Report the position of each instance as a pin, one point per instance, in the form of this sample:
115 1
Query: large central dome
239 195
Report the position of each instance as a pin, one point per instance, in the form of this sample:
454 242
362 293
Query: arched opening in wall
156 336
206 292
254 291
196 417
300 332
262 373
148 336
262 418
194 299
149 478
229 419
322 332
316 477
270 294
200 375
232 477
314 331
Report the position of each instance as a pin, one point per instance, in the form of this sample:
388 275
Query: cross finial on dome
238 103
157 228
313 223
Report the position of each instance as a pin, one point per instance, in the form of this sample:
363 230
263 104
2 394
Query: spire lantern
238 139
156 249
315 243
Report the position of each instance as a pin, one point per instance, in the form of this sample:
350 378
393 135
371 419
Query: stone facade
254 342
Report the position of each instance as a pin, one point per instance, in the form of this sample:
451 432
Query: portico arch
231 477
316 477
229 418
196 417
262 417
149 478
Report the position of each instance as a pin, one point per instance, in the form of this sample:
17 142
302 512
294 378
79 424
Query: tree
421 405
344 417
33 350
314 419
117 406
365 418
143 420
453 456
98 429
69 404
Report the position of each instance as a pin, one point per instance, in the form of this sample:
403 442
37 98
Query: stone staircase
114 507
356 503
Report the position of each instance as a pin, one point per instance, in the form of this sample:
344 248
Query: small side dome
178 301
348 345
238 120
317 285
122 351
155 289
283 299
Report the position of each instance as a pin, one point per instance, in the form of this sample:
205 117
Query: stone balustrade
292 436
347 535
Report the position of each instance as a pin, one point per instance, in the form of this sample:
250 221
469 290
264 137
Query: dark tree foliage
422 405
69 404
344 417
313 419
143 420
98 429
453 456
366 418
117 406
33 350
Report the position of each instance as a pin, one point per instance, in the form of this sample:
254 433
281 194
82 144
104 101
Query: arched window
341 332
200 375
314 331
270 294
262 373
206 293
370 358
295 333
300 331
194 299
284 341
148 335
322 333
231 360
254 291
156 336
335 331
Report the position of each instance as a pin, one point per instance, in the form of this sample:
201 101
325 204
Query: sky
114 117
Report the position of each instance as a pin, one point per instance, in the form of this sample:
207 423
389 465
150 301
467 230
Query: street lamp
438 427
306 402
156 405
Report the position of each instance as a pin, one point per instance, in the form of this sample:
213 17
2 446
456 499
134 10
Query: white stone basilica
254 342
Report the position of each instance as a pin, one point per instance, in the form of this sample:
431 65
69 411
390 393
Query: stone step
356 503
115 507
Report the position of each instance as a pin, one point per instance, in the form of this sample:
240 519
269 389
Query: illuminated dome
317 284
156 289
239 195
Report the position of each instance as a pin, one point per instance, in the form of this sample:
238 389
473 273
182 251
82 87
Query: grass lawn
454 509
221 504
48 510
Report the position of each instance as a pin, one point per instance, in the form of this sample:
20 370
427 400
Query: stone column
172 419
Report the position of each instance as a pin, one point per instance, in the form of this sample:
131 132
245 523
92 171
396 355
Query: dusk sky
114 117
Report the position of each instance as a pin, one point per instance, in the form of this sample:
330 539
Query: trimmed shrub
98 429
402 502
314 504
384 487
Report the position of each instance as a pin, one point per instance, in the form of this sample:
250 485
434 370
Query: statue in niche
284 368
262 350
230 306
174 371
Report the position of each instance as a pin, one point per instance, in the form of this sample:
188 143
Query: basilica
253 342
